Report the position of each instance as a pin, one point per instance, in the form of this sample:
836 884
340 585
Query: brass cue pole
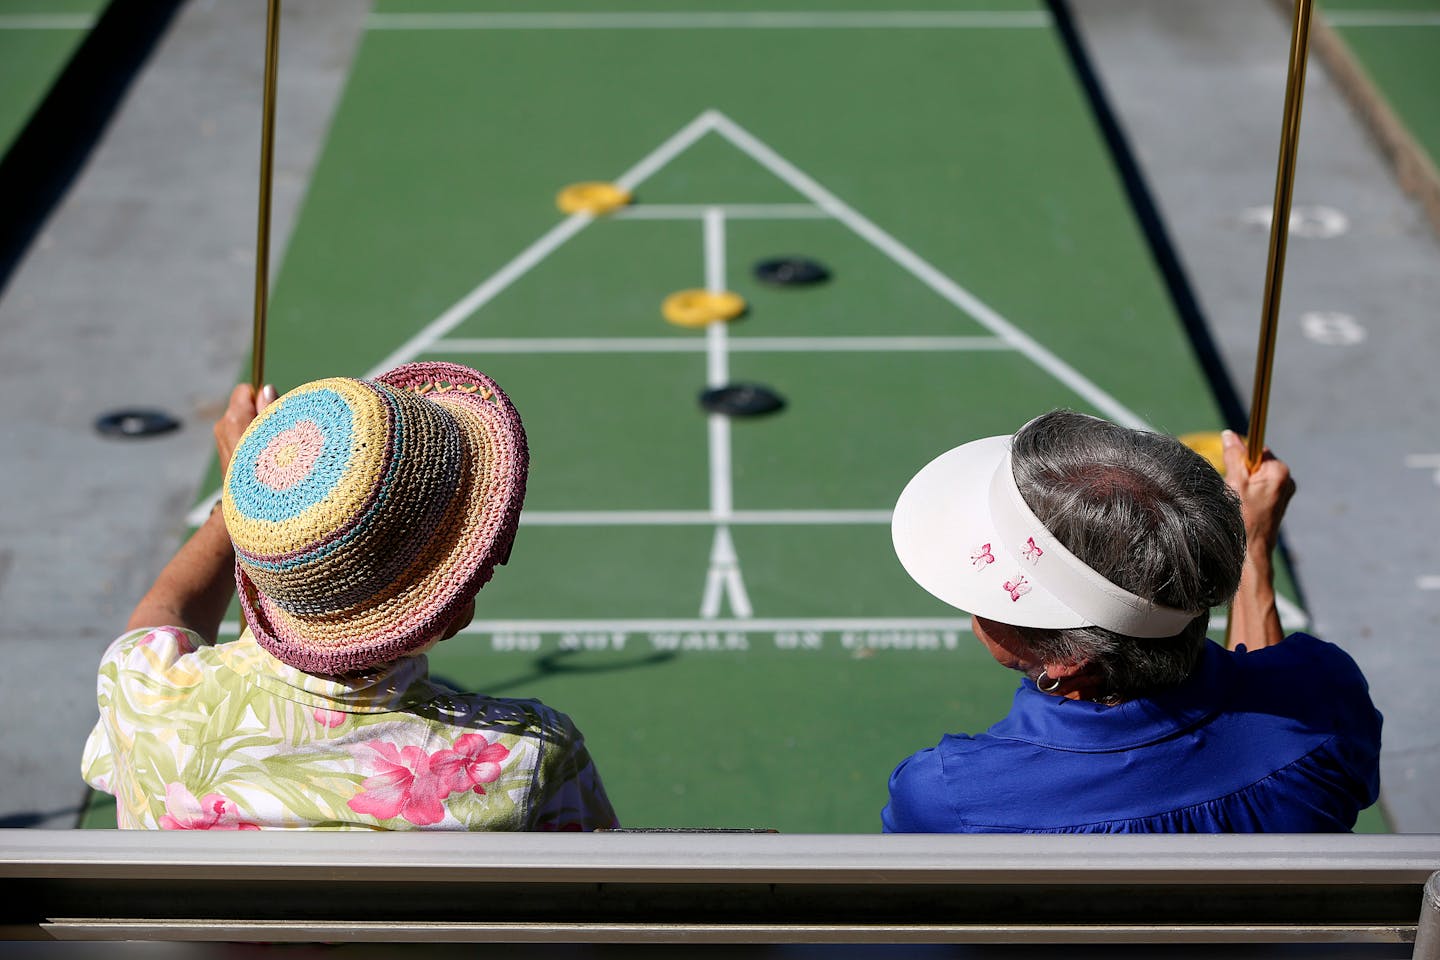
1279 235
267 152
1279 232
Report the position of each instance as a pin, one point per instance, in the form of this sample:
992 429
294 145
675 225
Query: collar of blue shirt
1086 727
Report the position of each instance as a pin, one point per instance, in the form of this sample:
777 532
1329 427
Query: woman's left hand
194 589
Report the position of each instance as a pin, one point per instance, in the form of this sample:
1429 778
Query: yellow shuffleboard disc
591 197
1209 445
696 308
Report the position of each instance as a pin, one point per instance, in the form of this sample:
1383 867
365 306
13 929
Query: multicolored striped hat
365 513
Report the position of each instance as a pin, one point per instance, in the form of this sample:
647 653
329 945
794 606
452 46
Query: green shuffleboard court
1398 42
715 601
37 38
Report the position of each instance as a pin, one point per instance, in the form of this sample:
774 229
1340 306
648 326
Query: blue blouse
1282 740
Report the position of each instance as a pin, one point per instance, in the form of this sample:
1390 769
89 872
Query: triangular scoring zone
713 121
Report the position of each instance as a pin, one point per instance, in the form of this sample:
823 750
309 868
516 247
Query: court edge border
1413 167
1152 223
52 148
1162 248
41 164
1167 259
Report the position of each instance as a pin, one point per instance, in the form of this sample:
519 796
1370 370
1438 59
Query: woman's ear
1065 670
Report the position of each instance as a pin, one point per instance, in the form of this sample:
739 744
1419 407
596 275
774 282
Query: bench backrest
736 888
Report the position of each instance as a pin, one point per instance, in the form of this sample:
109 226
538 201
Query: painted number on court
1312 223
1331 328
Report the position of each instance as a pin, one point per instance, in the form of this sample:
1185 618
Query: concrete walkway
139 294
1200 91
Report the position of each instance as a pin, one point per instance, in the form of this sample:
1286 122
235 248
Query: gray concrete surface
1200 91
138 293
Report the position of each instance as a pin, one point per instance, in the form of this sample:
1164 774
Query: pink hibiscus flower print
405 785
182 640
210 812
328 718
471 762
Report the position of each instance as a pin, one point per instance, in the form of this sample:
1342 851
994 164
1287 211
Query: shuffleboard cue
1279 232
1279 235
262 234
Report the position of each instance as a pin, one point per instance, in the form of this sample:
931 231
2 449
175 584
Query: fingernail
1228 437
267 393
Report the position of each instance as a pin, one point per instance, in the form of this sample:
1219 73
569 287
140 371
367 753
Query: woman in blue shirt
1089 556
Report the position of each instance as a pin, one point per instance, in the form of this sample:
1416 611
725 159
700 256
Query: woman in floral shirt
359 519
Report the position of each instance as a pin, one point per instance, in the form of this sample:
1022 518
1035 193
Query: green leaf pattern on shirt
193 736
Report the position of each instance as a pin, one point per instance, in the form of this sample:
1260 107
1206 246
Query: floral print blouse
194 736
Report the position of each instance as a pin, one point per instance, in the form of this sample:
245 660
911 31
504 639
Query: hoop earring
1040 683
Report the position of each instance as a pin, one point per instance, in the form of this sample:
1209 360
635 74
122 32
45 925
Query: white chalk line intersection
713 120
723 581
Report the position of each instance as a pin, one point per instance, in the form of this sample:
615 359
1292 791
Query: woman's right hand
1264 494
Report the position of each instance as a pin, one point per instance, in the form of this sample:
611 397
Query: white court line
763 154
732 211
484 293
537 251
231 628
775 624
747 625
521 264
688 626
1428 582
734 344
782 168
1290 614
664 153
201 511
1425 461
46 21
659 518
699 518
1381 18
1291 617
872 20
723 580
715 253
717 367
925 272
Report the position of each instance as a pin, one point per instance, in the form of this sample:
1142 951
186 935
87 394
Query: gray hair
1146 513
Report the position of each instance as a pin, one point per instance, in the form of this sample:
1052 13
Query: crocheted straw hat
365 513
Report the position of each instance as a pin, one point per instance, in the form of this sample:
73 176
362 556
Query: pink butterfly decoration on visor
982 556
1031 551
1018 588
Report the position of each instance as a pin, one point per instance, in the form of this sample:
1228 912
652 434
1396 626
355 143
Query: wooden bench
722 888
